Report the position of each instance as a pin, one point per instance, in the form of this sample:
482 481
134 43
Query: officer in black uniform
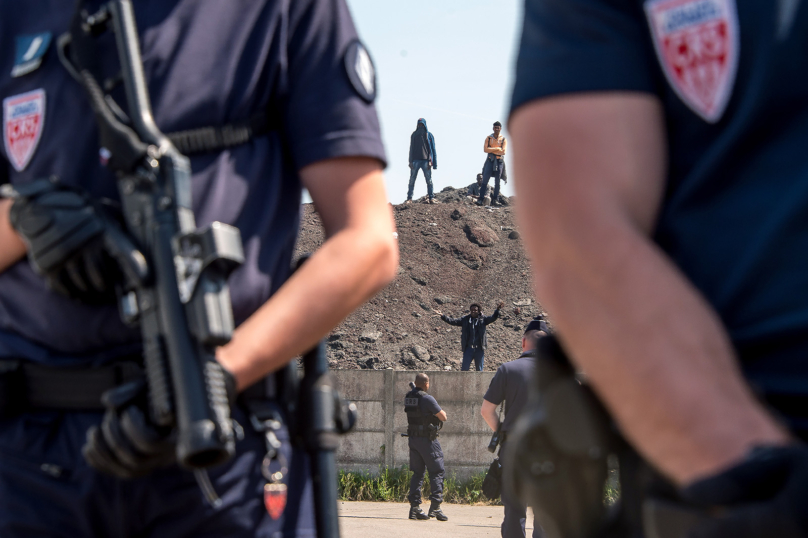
424 419
511 384
299 65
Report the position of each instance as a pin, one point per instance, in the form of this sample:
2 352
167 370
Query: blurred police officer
661 154
207 64
511 384
424 419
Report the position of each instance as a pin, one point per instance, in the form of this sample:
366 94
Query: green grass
394 484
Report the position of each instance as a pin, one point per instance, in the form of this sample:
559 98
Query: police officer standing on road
424 419
661 154
298 75
512 384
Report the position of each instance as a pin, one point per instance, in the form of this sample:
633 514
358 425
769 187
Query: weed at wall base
392 485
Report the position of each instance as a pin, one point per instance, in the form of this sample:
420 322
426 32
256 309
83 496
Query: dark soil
452 254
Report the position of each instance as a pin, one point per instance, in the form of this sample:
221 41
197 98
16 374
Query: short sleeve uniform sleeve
583 45
429 405
325 114
496 390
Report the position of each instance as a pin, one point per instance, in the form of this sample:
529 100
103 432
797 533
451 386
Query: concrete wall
379 395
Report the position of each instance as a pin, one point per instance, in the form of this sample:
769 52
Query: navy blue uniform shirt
512 384
733 80
429 405
207 63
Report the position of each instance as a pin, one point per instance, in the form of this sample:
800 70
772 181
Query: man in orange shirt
494 147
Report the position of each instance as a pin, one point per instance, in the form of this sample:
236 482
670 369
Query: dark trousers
476 353
420 165
513 524
488 172
426 455
47 489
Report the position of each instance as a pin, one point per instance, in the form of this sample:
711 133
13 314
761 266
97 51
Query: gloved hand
73 242
765 496
126 444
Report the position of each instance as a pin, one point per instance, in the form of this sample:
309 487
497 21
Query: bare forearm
489 414
359 257
654 350
12 248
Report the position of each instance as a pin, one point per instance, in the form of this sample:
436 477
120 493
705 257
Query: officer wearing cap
495 146
661 153
207 65
512 384
424 419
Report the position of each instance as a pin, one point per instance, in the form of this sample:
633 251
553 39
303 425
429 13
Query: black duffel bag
492 483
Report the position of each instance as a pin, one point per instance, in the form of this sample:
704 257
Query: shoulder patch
698 45
23 120
29 53
361 71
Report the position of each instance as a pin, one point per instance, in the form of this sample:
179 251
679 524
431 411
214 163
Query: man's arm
450 321
496 150
359 257
593 167
12 248
489 413
441 415
495 316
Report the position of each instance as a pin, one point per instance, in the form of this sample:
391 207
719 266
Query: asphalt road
389 520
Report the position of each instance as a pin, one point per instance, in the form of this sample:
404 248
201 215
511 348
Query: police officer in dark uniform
662 156
207 64
424 419
512 384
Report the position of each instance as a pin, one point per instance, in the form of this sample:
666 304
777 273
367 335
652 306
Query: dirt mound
452 254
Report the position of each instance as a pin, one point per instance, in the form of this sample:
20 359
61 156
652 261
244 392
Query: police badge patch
698 44
23 119
361 71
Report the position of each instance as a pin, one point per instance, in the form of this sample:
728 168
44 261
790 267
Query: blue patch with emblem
30 52
361 71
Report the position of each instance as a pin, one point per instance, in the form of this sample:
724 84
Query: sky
450 62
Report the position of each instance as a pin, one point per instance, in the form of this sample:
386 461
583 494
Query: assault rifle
178 294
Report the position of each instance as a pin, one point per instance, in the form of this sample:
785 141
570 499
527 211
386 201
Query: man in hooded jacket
422 156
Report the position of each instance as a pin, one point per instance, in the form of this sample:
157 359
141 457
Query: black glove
765 496
126 444
73 242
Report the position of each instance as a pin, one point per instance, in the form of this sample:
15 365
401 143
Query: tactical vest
419 422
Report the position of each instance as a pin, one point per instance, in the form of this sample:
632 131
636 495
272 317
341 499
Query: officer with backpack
424 419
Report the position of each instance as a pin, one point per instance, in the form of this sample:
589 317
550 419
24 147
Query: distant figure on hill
424 157
472 337
474 189
494 147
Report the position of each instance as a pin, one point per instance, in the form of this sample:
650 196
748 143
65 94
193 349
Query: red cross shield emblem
23 118
697 42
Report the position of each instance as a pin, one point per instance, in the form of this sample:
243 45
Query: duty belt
28 386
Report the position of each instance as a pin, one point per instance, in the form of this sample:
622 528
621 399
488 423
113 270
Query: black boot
436 512
416 512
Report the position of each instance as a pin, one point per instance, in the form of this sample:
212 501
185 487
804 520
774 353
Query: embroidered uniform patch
698 44
361 71
30 51
23 119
